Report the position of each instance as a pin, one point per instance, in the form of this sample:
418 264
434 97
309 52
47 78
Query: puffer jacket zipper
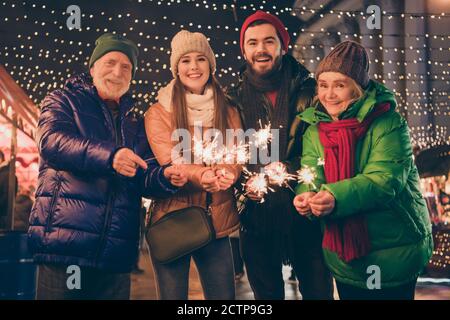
53 204
111 189
107 223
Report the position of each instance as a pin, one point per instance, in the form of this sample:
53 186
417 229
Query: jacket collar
83 81
375 94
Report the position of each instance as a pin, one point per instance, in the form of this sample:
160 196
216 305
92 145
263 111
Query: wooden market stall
18 121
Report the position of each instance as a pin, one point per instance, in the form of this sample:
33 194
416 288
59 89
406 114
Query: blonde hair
357 92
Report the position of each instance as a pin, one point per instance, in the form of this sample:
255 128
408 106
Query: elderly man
91 178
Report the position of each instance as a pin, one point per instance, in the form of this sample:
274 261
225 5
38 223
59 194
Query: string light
43 40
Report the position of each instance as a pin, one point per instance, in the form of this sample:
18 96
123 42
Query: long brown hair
179 105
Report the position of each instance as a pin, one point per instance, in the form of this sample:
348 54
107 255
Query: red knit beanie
278 25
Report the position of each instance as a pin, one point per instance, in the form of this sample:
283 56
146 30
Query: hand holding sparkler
175 176
301 203
210 182
225 178
322 203
126 162
256 186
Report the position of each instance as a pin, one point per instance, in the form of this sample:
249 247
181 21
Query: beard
110 91
268 72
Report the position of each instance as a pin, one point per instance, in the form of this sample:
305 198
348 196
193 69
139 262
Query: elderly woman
377 233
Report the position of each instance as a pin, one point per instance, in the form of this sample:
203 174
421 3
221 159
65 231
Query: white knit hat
184 42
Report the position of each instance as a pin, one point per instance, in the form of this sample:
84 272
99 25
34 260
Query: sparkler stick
180 156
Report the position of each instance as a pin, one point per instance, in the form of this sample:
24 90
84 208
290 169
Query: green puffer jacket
385 189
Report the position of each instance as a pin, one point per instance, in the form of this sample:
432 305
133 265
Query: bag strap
208 201
149 213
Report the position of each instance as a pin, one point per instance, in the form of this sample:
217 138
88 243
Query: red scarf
348 237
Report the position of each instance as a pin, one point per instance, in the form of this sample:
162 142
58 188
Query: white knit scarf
200 107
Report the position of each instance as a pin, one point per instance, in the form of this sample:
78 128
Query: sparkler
320 162
257 183
229 154
149 159
211 153
307 175
263 136
198 147
275 174
208 151
242 155
278 175
174 161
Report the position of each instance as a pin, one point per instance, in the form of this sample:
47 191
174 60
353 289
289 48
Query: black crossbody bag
180 232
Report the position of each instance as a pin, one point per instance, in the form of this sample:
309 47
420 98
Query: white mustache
115 81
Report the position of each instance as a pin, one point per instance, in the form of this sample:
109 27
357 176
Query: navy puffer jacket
86 214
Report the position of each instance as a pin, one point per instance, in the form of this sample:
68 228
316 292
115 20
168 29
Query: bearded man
274 88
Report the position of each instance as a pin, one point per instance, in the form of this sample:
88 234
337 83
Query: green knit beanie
113 42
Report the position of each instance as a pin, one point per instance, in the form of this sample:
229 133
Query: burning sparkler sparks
278 174
211 153
263 136
320 162
307 175
208 151
257 183
241 152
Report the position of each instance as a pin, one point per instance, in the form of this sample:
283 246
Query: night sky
40 52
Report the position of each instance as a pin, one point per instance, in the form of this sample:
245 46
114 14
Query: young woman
194 96
377 233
